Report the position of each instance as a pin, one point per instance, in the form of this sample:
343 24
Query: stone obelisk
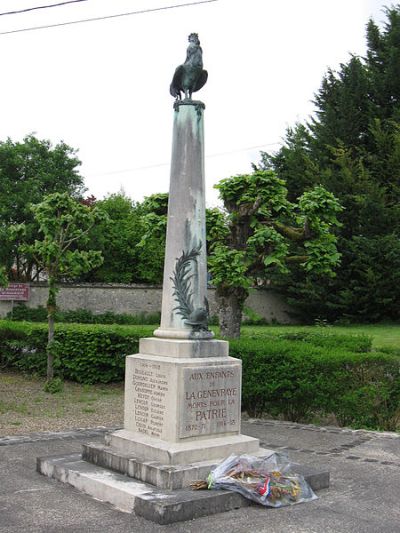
184 301
182 390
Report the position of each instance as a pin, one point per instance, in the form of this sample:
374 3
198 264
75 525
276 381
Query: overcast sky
103 86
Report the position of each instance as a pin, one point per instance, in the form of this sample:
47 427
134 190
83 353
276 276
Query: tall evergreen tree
342 109
383 64
294 162
352 147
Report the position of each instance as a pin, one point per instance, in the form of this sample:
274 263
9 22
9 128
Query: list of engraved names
211 400
150 387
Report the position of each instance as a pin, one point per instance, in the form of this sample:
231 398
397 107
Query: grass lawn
383 335
26 408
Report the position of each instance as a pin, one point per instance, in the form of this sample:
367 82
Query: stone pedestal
182 411
181 399
182 403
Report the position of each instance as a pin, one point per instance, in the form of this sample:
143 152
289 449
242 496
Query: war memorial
182 390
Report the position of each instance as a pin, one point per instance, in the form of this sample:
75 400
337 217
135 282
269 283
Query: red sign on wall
15 292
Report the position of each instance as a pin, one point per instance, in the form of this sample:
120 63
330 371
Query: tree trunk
51 309
230 306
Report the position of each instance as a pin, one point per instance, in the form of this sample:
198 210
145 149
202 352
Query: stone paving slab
319 442
312 438
383 450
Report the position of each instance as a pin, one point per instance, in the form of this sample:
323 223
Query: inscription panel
15 292
211 400
150 389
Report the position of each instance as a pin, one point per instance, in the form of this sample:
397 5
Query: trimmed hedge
299 380
295 376
325 339
83 353
81 316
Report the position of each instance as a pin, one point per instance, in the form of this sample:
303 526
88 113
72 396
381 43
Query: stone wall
134 299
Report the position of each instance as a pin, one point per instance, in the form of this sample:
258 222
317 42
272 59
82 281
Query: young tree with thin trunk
65 225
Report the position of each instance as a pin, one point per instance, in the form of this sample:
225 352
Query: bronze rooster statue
189 77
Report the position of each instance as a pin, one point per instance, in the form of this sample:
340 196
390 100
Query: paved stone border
324 429
333 452
56 435
363 436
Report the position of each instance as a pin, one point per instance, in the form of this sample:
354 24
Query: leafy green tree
131 240
266 233
151 247
259 234
29 170
116 237
64 225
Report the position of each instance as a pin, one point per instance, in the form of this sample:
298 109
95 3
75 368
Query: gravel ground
26 408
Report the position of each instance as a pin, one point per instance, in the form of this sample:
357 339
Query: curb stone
364 434
55 435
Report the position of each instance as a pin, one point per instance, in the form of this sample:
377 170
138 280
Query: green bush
83 353
22 312
82 316
324 339
251 318
299 379
54 386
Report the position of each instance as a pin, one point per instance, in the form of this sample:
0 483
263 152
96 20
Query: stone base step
181 453
157 505
100 483
157 474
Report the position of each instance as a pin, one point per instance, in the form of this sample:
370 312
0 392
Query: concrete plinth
182 418
118 457
182 414
181 453
182 403
183 347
